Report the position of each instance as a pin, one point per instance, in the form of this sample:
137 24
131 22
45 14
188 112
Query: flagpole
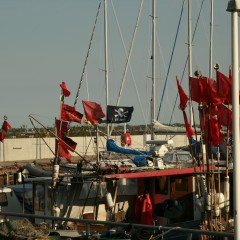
234 8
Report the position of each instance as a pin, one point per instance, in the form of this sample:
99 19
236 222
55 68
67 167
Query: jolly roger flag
116 114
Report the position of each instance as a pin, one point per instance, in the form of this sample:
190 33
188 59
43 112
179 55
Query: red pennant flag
6 126
93 111
69 113
2 136
182 95
189 130
65 91
62 127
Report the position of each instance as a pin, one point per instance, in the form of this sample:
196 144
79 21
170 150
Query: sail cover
112 147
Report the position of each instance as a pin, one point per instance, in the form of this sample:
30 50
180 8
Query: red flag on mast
69 113
189 131
65 91
93 111
182 95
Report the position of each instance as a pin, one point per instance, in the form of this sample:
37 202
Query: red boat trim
156 173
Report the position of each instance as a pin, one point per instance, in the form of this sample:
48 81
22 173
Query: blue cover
140 161
112 147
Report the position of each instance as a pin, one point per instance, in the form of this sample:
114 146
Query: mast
211 39
190 54
234 8
153 71
106 57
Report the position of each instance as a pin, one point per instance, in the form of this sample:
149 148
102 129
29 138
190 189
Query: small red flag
2 136
225 117
68 143
62 151
65 91
93 111
195 89
62 127
189 130
6 126
182 95
224 86
214 132
69 113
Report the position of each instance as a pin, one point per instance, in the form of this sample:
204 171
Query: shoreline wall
21 149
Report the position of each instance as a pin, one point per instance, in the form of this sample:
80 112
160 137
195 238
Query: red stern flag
65 91
93 111
69 113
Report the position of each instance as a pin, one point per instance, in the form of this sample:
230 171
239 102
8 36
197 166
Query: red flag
189 130
182 95
6 126
62 127
69 113
198 89
93 111
62 151
225 116
68 143
2 136
224 86
65 91
213 96
214 131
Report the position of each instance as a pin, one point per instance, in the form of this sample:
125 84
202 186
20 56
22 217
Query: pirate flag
116 114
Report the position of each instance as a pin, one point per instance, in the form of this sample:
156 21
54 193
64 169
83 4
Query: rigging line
41 136
135 85
194 32
129 55
169 66
89 47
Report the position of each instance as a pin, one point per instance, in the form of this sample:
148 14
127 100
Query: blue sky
45 42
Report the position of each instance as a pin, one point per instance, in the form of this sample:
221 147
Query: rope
89 47
187 58
174 45
128 56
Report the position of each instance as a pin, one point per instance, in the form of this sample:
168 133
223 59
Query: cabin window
181 184
161 185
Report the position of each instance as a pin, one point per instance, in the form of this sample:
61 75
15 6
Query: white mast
153 70
106 57
211 39
234 8
190 53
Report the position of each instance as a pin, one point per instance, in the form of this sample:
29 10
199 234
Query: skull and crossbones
120 113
